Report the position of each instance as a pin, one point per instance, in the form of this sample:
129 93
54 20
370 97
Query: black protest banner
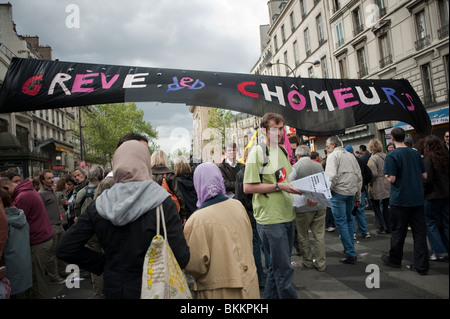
313 106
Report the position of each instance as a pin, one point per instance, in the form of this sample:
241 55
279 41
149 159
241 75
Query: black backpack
266 157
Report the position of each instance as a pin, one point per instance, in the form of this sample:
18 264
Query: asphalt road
342 281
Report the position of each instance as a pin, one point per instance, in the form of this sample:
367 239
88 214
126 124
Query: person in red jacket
26 198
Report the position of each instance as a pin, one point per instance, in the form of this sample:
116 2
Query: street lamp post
314 63
270 64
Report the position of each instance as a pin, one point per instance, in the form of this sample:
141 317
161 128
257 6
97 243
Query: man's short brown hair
269 117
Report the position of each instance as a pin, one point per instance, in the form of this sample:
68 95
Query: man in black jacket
229 168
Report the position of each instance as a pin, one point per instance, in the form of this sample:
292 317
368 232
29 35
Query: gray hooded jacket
126 202
17 251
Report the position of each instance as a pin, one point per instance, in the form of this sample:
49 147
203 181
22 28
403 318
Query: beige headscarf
131 162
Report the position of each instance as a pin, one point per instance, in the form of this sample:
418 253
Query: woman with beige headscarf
124 220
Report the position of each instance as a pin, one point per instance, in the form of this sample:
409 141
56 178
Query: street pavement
342 281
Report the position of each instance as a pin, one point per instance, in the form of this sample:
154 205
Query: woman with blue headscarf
219 235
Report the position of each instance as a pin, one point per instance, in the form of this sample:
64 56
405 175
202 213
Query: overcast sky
206 35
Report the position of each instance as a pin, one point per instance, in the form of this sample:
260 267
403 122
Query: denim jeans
436 214
360 217
279 240
257 256
342 213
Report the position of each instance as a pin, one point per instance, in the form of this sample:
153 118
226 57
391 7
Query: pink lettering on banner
185 82
106 84
302 101
81 79
410 99
340 98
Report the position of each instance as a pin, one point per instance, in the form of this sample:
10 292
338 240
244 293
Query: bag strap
159 218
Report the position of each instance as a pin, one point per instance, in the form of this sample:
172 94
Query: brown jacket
379 187
220 237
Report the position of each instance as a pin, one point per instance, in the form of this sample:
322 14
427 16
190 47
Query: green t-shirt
276 207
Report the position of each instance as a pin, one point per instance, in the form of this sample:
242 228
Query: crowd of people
221 219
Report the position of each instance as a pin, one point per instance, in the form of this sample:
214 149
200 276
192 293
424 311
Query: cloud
194 35
174 125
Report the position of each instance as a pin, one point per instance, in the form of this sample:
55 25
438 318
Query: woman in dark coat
183 173
124 220
161 170
436 188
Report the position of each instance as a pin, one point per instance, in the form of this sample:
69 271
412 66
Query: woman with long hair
436 188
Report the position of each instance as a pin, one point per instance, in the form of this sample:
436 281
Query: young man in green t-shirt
273 205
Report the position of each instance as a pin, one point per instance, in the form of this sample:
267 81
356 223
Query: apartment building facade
379 39
34 140
207 144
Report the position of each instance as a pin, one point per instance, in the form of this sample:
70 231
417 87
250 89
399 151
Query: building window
428 95
296 54
3 125
385 50
311 72
443 15
307 42
422 32
283 34
275 43
286 61
343 67
303 8
320 32
22 136
358 26
339 35
292 19
382 7
324 64
362 63
446 66
336 5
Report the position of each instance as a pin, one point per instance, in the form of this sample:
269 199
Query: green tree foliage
106 124
221 119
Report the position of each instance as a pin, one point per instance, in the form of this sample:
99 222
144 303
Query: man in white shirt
346 182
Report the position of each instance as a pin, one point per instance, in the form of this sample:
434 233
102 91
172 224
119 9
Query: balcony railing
385 61
422 43
363 71
321 40
340 43
443 32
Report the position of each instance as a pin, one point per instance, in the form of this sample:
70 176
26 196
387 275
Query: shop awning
437 117
59 145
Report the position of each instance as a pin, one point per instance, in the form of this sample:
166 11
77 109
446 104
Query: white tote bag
162 277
